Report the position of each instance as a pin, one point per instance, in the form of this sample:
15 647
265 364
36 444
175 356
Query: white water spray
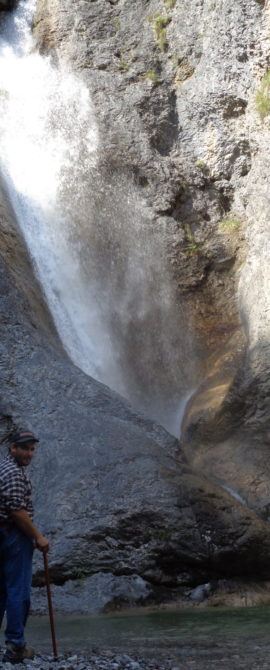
97 259
47 124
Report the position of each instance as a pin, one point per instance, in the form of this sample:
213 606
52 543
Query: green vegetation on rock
262 97
117 24
170 3
153 76
160 25
191 246
123 65
230 225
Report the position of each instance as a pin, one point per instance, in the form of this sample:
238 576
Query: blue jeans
16 551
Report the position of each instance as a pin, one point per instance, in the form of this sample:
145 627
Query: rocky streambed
230 656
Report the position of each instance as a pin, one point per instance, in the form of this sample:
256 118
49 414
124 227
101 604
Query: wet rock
188 107
117 501
200 593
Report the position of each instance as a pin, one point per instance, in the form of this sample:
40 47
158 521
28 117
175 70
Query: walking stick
47 580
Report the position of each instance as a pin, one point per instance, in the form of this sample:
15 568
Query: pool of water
153 629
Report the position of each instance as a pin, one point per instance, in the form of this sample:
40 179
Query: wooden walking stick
47 580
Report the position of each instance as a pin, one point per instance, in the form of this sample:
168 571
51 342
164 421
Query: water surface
155 630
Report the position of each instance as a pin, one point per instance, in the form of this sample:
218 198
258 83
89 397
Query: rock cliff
129 520
177 88
180 88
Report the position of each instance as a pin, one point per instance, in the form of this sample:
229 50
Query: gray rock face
98 593
109 490
175 85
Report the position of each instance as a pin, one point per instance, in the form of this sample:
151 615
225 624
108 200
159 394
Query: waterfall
97 253
46 123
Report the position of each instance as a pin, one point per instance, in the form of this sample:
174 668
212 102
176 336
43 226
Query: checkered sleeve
15 489
14 492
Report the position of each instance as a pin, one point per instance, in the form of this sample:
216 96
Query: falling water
46 122
98 255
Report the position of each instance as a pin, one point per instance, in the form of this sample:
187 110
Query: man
18 537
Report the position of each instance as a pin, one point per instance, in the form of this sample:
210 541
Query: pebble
107 660
231 657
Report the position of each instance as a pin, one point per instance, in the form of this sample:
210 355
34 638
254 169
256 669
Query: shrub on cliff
263 96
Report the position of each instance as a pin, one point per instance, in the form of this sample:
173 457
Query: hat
23 436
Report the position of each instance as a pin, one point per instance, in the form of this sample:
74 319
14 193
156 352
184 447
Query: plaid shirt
15 488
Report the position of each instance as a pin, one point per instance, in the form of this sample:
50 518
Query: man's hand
42 544
23 521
